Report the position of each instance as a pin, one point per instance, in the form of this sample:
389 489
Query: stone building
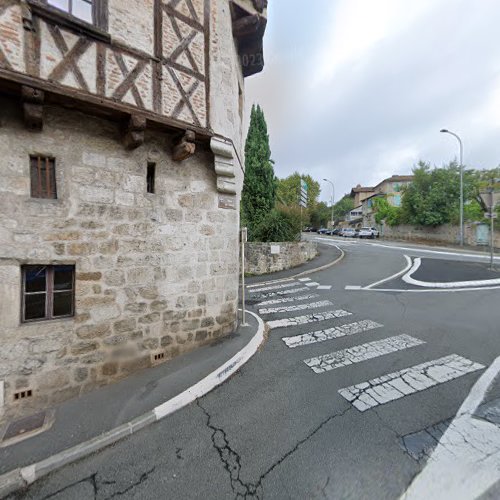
121 171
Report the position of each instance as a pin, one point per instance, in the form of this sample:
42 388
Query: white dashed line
381 390
289 299
299 307
325 287
330 333
275 287
271 282
360 353
305 279
312 284
310 318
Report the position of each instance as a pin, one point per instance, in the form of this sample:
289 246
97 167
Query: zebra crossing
288 297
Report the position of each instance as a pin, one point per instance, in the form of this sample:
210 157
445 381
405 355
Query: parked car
336 231
368 232
348 232
323 230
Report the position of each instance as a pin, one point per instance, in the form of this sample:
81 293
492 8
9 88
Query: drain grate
24 425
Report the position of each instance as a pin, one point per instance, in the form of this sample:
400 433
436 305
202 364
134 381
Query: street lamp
333 196
444 131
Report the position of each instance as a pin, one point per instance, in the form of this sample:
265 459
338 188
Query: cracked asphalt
278 430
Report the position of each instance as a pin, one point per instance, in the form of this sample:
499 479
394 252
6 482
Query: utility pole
333 196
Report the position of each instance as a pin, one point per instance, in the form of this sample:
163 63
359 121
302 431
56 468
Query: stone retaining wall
264 258
446 233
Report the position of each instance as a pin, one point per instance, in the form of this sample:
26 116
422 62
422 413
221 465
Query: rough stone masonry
120 162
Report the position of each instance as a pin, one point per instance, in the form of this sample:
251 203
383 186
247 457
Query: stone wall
155 273
264 258
445 234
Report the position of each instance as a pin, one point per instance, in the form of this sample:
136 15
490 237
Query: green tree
433 198
288 192
320 215
259 185
342 207
384 211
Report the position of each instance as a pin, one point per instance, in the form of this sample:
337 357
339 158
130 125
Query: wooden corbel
32 100
134 134
184 147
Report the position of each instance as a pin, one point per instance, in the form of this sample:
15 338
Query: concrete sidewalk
99 418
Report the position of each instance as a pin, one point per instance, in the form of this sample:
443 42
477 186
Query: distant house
360 193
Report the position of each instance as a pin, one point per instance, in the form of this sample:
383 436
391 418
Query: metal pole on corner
244 237
492 228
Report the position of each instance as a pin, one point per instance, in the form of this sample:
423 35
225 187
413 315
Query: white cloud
357 26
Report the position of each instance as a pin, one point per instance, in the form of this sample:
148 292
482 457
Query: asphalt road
281 429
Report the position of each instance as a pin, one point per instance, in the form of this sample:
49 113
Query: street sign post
490 200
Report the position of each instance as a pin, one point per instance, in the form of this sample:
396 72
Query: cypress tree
259 186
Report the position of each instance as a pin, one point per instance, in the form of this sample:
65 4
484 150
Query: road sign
489 215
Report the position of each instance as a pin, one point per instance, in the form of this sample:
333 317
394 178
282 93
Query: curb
321 268
22 477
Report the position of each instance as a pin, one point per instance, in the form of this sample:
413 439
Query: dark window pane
63 304
35 278
34 306
63 277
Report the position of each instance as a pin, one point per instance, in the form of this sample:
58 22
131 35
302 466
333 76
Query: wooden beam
134 134
32 100
245 26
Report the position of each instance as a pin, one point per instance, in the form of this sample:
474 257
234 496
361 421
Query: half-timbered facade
120 177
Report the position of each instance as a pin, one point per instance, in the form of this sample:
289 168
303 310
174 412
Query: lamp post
444 131
333 196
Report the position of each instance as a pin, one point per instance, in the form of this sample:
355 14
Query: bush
280 224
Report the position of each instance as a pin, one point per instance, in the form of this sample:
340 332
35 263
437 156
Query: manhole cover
24 425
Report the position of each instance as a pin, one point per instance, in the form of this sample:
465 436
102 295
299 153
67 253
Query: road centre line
331 333
394 276
360 353
298 307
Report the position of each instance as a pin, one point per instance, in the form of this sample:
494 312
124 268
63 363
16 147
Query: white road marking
305 279
312 284
331 333
354 287
434 290
310 318
455 284
271 282
275 287
466 461
394 276
417 378
289 299
298 307
324 287
282 293
360 353
437 252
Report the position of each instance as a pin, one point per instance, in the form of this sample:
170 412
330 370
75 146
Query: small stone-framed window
48 292
150 178
43 177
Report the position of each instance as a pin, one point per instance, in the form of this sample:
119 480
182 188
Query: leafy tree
259 186
433 198
320 215
342 207
384 211
288 192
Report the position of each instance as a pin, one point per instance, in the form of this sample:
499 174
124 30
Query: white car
368 232
348 232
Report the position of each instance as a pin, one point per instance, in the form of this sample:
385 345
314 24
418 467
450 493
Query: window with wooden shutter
43 177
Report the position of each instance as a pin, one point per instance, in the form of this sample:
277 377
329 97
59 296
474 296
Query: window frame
98 29
49 188
49 292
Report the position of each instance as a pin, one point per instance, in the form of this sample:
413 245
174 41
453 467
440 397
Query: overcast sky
357 90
